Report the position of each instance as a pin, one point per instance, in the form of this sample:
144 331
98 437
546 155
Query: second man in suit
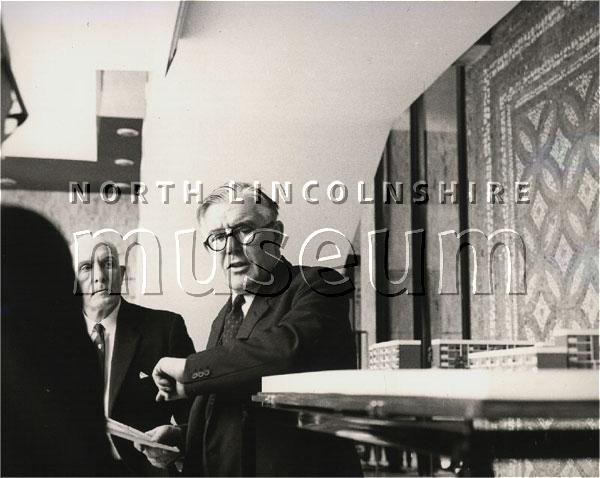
129 340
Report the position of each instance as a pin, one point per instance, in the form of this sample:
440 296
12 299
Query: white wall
57 47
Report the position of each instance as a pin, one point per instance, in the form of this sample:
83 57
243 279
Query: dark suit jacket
143 337
289 328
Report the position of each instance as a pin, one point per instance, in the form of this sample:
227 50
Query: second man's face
244 264
100 278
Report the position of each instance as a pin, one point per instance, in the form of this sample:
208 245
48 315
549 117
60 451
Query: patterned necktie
100 346
233 320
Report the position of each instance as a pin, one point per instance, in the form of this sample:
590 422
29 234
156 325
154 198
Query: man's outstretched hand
168 377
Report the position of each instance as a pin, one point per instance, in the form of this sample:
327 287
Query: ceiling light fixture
128 132
7 182
124 162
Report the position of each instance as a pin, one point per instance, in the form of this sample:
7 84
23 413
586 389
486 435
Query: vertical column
418 166
463 198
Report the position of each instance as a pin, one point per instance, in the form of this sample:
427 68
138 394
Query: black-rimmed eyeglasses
244 234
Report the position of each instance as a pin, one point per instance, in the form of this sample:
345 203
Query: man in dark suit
129 340
279 319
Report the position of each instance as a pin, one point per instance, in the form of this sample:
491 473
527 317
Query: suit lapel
217 326
257 310
260 304
262 300
126 340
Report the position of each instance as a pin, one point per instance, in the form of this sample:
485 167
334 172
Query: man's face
100 278
243 264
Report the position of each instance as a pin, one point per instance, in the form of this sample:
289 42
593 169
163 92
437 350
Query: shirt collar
248 299
109 322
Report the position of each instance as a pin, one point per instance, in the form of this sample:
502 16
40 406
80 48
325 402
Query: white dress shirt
110 329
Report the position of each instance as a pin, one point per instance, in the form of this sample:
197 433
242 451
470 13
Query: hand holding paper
139 438
159 456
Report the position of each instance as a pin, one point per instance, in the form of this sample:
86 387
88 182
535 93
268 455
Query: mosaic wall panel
533 116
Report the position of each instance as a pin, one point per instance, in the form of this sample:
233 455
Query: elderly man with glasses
278 319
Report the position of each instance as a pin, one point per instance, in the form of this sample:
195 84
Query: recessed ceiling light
7 182
123 162
128 132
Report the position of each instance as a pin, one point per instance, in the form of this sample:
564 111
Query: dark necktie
233 320
100 346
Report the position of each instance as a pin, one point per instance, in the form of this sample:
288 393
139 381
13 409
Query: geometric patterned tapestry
532 116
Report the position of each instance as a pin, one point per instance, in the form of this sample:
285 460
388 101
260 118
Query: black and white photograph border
300 238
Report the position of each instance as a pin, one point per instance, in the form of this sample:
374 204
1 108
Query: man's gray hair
227 191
